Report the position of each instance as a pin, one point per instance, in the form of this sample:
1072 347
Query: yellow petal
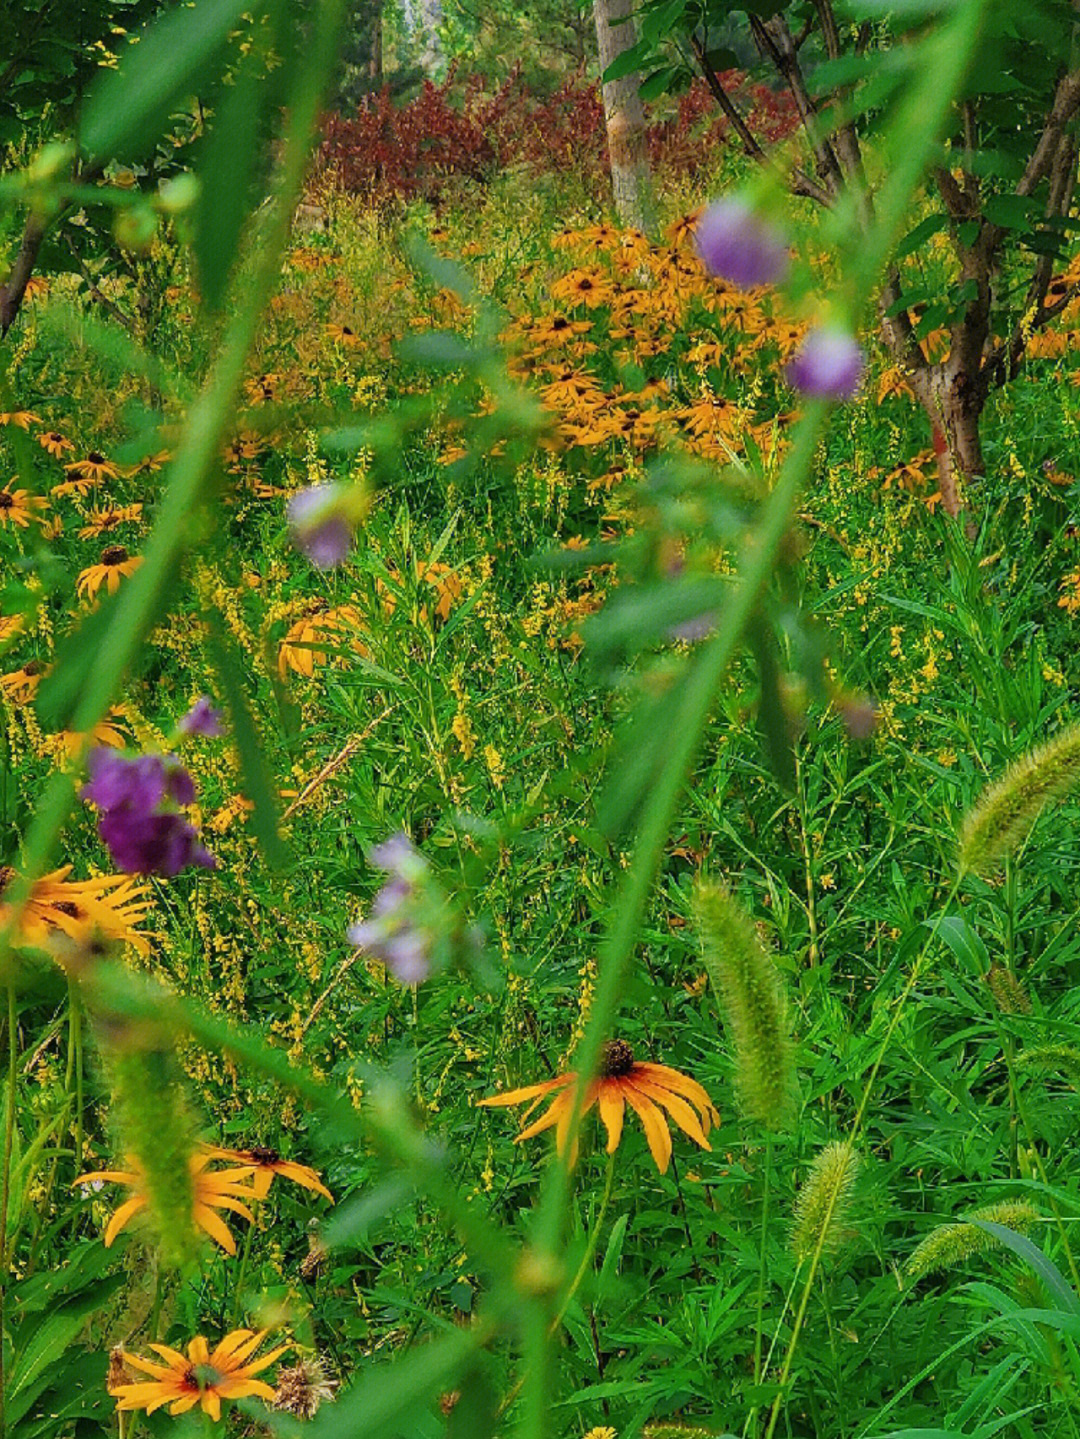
612 1109
654 1125
183 1404
681 1084
530 1091
264 1363
235 1347
198 1350
210 1223
127 1211
680 1111
554 1112
211 1403
241 1388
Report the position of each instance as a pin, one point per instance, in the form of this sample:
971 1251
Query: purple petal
318 528
738 245
202 719
829 365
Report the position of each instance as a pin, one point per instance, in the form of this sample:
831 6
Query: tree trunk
624 116
954 406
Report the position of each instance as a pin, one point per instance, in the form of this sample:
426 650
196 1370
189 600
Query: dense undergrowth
453 680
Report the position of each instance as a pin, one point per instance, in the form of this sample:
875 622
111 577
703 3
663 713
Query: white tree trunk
624 115
429 15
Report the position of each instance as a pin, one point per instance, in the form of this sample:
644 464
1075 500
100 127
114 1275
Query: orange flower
214 1189
54 443
202 1376
23 418
110 906
343 335
21 685
316 638
266 1163
648 1089
115 563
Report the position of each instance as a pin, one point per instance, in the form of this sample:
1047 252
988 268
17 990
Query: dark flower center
262 1155
616 1059
65 906
6 500
560 324
114 555
96 458
32 668
7 874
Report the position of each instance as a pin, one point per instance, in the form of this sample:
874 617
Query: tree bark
624 115
11 293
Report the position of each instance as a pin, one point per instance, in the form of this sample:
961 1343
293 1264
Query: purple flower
738 245
159 843
829 365
396 930
144 831
318 527
202 719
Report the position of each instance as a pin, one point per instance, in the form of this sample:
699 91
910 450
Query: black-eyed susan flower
114 564
21 685
68 744
22 419
343 335
111 906
649 1090
266 1163
19 507
55 444
150 464
214 1189
103 521
589 286
316 638
202 1376
93 469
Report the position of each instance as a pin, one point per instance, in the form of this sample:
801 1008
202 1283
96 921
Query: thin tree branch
775 40
13 291
799 182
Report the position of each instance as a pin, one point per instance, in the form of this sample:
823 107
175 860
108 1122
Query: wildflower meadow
539 596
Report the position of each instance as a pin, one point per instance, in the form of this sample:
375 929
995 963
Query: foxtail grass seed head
156 1130
1062 1057
1003 816
1007 990
752 997
951 1244
823 1204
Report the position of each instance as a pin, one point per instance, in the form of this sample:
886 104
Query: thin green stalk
5 1193
856 1132
687 729
241 1275
590 1247
759 1336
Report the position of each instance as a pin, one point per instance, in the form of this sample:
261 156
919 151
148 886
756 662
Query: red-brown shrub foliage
457 130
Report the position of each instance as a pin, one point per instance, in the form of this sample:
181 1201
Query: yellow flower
102 521
21 685
649 1089
316 638
114 564
17 507
266 1163
111 906
93 469
201 1376
22 418
214 1189
343 335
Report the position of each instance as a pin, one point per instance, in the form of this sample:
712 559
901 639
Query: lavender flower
829 365
202 719
318 527
140 821
395 931
738 245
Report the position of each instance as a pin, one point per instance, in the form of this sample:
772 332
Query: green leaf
660 82
629 62
919 236
129 106
612 1257
1057 1286
474 1414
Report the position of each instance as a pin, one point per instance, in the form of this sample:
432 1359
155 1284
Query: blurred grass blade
383 1399
1057 1286
258 784
129 107
772 716
226 170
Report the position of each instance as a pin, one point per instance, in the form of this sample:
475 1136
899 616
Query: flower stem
5 1193
590 1248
